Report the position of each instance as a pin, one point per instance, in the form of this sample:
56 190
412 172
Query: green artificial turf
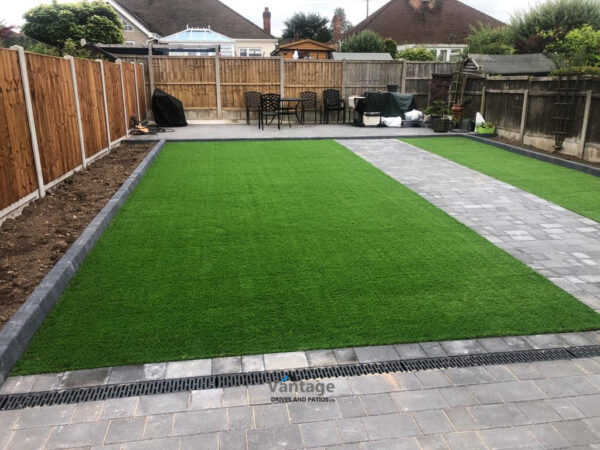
571 189
252 247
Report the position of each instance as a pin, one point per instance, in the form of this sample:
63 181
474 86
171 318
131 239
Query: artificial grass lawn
253 247
571 189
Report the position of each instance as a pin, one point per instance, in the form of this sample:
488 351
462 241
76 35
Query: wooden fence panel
91 104
130 99
362 76
114 99
238 76
191 80
313 76
141 91
17 171
55 115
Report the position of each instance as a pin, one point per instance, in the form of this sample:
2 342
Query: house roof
167 17
424 21
362 56
534 63
191 35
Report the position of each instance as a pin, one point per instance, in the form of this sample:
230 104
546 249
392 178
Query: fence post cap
68 57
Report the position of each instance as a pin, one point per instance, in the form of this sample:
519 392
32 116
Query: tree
417 54
579 48
391 47
528 30
346 24
56 23
489 40
366 41
307 26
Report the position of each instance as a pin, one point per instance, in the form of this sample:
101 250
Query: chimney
267 20
337 28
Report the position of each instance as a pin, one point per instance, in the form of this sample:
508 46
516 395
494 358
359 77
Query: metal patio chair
252 104
311 104
332 101
270 106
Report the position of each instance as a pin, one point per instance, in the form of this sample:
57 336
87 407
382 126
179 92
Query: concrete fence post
585 123
120 63
144 93
524 115
218 85
30 119
137 91
344 79
105 101
482 105
150 69
77 110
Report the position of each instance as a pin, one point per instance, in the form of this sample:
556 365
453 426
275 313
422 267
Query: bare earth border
21 327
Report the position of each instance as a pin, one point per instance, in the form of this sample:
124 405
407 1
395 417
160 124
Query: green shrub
417 54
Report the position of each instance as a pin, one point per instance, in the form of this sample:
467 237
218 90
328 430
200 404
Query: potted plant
439 111
486 128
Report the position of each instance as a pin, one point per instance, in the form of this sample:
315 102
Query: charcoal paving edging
19 330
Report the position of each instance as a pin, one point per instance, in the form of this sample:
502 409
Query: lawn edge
18 331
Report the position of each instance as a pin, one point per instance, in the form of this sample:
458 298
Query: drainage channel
106 392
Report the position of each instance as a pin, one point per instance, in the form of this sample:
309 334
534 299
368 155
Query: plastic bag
392 121
413 115
479 120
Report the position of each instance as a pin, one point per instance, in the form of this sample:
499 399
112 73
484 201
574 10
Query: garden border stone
19 330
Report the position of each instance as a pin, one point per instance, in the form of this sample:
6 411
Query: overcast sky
12 11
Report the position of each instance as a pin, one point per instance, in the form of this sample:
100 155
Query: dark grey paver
351 407
271 414
458 396
287 436
462 419
352 430
464 440
233 440
162 404
77 435
379 404
376 353
32 438
433 349
577 432
419 400
241 417
206 441
237 396
433 422
123 430
548 436
539 411
195 422
345 355
514 437
45 416
320 434
432 379
126 374
310 412
153 444
492 416
410 351
390 426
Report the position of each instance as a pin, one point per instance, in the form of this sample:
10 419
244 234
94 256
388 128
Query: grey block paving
560 244
555 405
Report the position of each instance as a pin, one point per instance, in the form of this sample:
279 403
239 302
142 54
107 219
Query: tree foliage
346 24
57 23
528 29
489 40
579 48
307 26
366 41
391 47
417 54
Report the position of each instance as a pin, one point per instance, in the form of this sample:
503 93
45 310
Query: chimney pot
267 20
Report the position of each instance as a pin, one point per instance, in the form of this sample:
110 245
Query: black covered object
168 110
389 104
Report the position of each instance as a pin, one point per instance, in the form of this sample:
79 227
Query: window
442 55
250 52
126 25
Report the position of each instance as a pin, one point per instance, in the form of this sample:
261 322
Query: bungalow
192 27
439 25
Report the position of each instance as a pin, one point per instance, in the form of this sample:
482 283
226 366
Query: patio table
293 103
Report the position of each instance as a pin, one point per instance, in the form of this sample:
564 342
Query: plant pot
466 124
440 124
482 130
457 112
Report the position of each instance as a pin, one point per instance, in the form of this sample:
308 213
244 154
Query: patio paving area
557 243
550 404
308 131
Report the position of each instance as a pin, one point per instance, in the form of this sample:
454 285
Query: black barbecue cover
389 104
168 110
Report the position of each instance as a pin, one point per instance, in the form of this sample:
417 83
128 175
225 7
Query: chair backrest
269 102
311 98
331 97
253 99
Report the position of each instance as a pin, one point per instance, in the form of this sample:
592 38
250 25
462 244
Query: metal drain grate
106 392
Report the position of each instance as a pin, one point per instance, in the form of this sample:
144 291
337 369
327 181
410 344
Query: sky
12 11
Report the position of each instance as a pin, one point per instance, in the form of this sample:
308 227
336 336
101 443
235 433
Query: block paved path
558 243
550 404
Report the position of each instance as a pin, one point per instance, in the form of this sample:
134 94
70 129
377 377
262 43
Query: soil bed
516 143
33 242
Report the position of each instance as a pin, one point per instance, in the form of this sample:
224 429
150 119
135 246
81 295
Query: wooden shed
306 48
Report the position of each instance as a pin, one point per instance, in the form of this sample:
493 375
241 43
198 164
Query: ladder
456 90
564 107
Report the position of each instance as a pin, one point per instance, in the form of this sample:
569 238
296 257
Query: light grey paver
577 432
45 416
270 415
206 441
433 422
351 430
514 437
237 396
253 363
77 435
241 417
227 365
351 407
124 430
282 361
376 353
32 438
543 235
206 399
320 434
321 358
195 422
158 426
419 400
119 407
83 378
374 384
162 404
345 355
492 416
155 371
390 426
410 351
194 368
376 404
310 412
286 436
126 374
462 347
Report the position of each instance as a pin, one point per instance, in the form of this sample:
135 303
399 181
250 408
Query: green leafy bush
489 40
366 41
417 54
